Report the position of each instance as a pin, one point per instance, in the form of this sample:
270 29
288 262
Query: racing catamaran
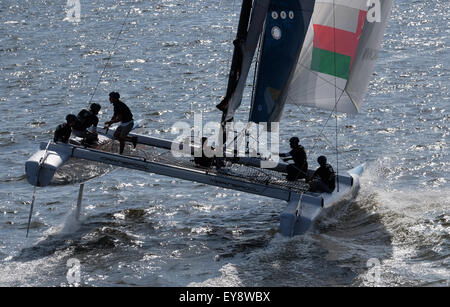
313 53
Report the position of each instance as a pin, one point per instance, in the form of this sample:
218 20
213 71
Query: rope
335 95
256 69
31 210
40 164
110 55
230 39
326 122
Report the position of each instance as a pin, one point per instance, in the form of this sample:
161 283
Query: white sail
339 54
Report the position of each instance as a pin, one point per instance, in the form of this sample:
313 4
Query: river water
173 59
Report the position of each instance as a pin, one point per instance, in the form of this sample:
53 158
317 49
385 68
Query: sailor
299 169
85 120
324 178
123 115
63 131
204 160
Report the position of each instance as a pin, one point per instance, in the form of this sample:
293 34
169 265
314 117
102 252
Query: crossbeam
200 175
168 145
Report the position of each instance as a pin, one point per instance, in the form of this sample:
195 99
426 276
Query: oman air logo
73 11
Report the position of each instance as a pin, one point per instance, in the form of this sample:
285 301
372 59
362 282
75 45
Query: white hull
303 210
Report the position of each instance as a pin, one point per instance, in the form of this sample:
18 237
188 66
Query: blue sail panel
287 22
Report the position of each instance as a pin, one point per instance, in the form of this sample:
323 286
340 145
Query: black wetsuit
300 167
122 111
298 154
204 160
85 119
324 179
62 133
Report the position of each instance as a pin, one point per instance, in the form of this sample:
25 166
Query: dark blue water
173 58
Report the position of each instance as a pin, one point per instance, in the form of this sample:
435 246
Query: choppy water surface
140 229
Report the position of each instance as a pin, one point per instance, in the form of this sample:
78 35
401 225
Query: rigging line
256 61
336 100
31 210
326 122
230 37
228 62
335 94
110 54
337 153
204 91
238 135
40 165
207 89
320 134
327 141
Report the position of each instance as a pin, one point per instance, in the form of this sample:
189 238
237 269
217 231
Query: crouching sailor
204 160
299 169
324 178
85 120
63 131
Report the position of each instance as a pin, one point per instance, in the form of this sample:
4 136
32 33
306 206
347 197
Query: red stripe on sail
346 42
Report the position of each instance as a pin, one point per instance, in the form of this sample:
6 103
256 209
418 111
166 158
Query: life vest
85 119
331 182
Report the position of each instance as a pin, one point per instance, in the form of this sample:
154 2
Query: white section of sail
336 77
367 55
322 91
354 4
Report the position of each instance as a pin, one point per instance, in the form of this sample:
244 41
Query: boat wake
384 237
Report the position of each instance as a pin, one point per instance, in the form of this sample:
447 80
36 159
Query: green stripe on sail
323 61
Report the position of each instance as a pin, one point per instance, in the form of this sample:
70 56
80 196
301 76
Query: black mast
236 63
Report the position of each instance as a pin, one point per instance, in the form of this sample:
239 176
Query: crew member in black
299 169
123 115
324 178
86 119
204 160
63 131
